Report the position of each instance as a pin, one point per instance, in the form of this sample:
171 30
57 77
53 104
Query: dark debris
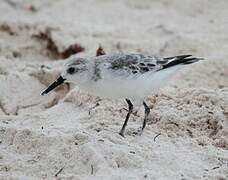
52 48
100 51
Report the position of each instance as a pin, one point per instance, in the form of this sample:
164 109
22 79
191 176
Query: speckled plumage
127 65
122 75
135 75
130 64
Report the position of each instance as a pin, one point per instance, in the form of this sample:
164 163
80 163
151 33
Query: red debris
52 48
72 49
100 51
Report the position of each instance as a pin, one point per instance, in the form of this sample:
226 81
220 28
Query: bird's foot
121 133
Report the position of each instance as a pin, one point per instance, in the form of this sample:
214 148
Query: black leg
130 109
147 112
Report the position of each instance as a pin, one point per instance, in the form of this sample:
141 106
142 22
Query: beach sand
61 136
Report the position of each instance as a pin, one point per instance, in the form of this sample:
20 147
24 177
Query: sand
61 135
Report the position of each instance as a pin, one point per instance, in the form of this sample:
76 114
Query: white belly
115 89
132 88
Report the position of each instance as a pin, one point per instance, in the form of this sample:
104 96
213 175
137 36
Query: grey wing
134 64
128 65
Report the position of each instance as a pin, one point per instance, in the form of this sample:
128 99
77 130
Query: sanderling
129 76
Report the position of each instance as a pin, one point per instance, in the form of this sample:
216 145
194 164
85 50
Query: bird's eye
71 70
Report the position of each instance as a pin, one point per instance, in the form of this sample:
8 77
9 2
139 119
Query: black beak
55 84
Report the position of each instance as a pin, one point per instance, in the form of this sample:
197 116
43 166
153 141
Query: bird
131 76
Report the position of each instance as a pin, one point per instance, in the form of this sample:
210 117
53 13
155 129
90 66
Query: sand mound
72 135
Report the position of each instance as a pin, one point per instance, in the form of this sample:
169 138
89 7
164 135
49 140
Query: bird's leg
135 112
147 112
130 109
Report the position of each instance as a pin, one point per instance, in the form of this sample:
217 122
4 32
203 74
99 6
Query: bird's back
133 75
130 64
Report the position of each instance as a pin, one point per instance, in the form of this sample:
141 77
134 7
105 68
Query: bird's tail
178 60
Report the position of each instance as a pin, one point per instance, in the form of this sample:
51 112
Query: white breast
135 88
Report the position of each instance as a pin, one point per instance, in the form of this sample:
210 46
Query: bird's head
75 71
